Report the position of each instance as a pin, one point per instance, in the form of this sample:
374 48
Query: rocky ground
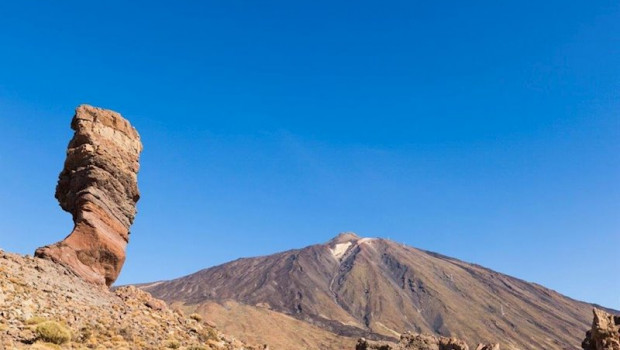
604 335
45 306
410 341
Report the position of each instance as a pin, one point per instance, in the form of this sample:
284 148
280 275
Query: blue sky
488 131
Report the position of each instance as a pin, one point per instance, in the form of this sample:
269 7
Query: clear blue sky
486 130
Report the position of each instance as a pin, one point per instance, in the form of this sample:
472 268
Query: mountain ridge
377 288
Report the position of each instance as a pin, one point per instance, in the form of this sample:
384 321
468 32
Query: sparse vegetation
173 344
53 332
67 313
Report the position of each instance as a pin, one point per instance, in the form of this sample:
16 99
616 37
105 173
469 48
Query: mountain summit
378 289
344 237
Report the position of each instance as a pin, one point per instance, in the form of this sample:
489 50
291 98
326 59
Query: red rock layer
99 187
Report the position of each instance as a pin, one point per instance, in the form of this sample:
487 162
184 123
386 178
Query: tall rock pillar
98 186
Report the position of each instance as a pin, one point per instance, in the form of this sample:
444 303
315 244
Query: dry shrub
173 344
53 332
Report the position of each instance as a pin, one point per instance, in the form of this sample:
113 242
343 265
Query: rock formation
410 341
98 186
605 332
36 294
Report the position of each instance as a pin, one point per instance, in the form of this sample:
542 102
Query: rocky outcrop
605 332
37 293
410 341
99 187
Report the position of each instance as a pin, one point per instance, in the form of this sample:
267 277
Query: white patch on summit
365 240
339 249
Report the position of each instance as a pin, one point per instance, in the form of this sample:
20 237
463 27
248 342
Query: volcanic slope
378 289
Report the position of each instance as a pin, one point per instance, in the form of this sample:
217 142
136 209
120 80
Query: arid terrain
351 292
375 288
61 297
43 305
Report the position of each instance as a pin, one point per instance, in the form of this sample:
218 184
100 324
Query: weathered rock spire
605 332
99 187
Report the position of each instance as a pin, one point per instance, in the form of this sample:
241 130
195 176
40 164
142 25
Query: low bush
53 332
173 344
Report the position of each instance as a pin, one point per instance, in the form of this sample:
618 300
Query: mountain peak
354 287
344 237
